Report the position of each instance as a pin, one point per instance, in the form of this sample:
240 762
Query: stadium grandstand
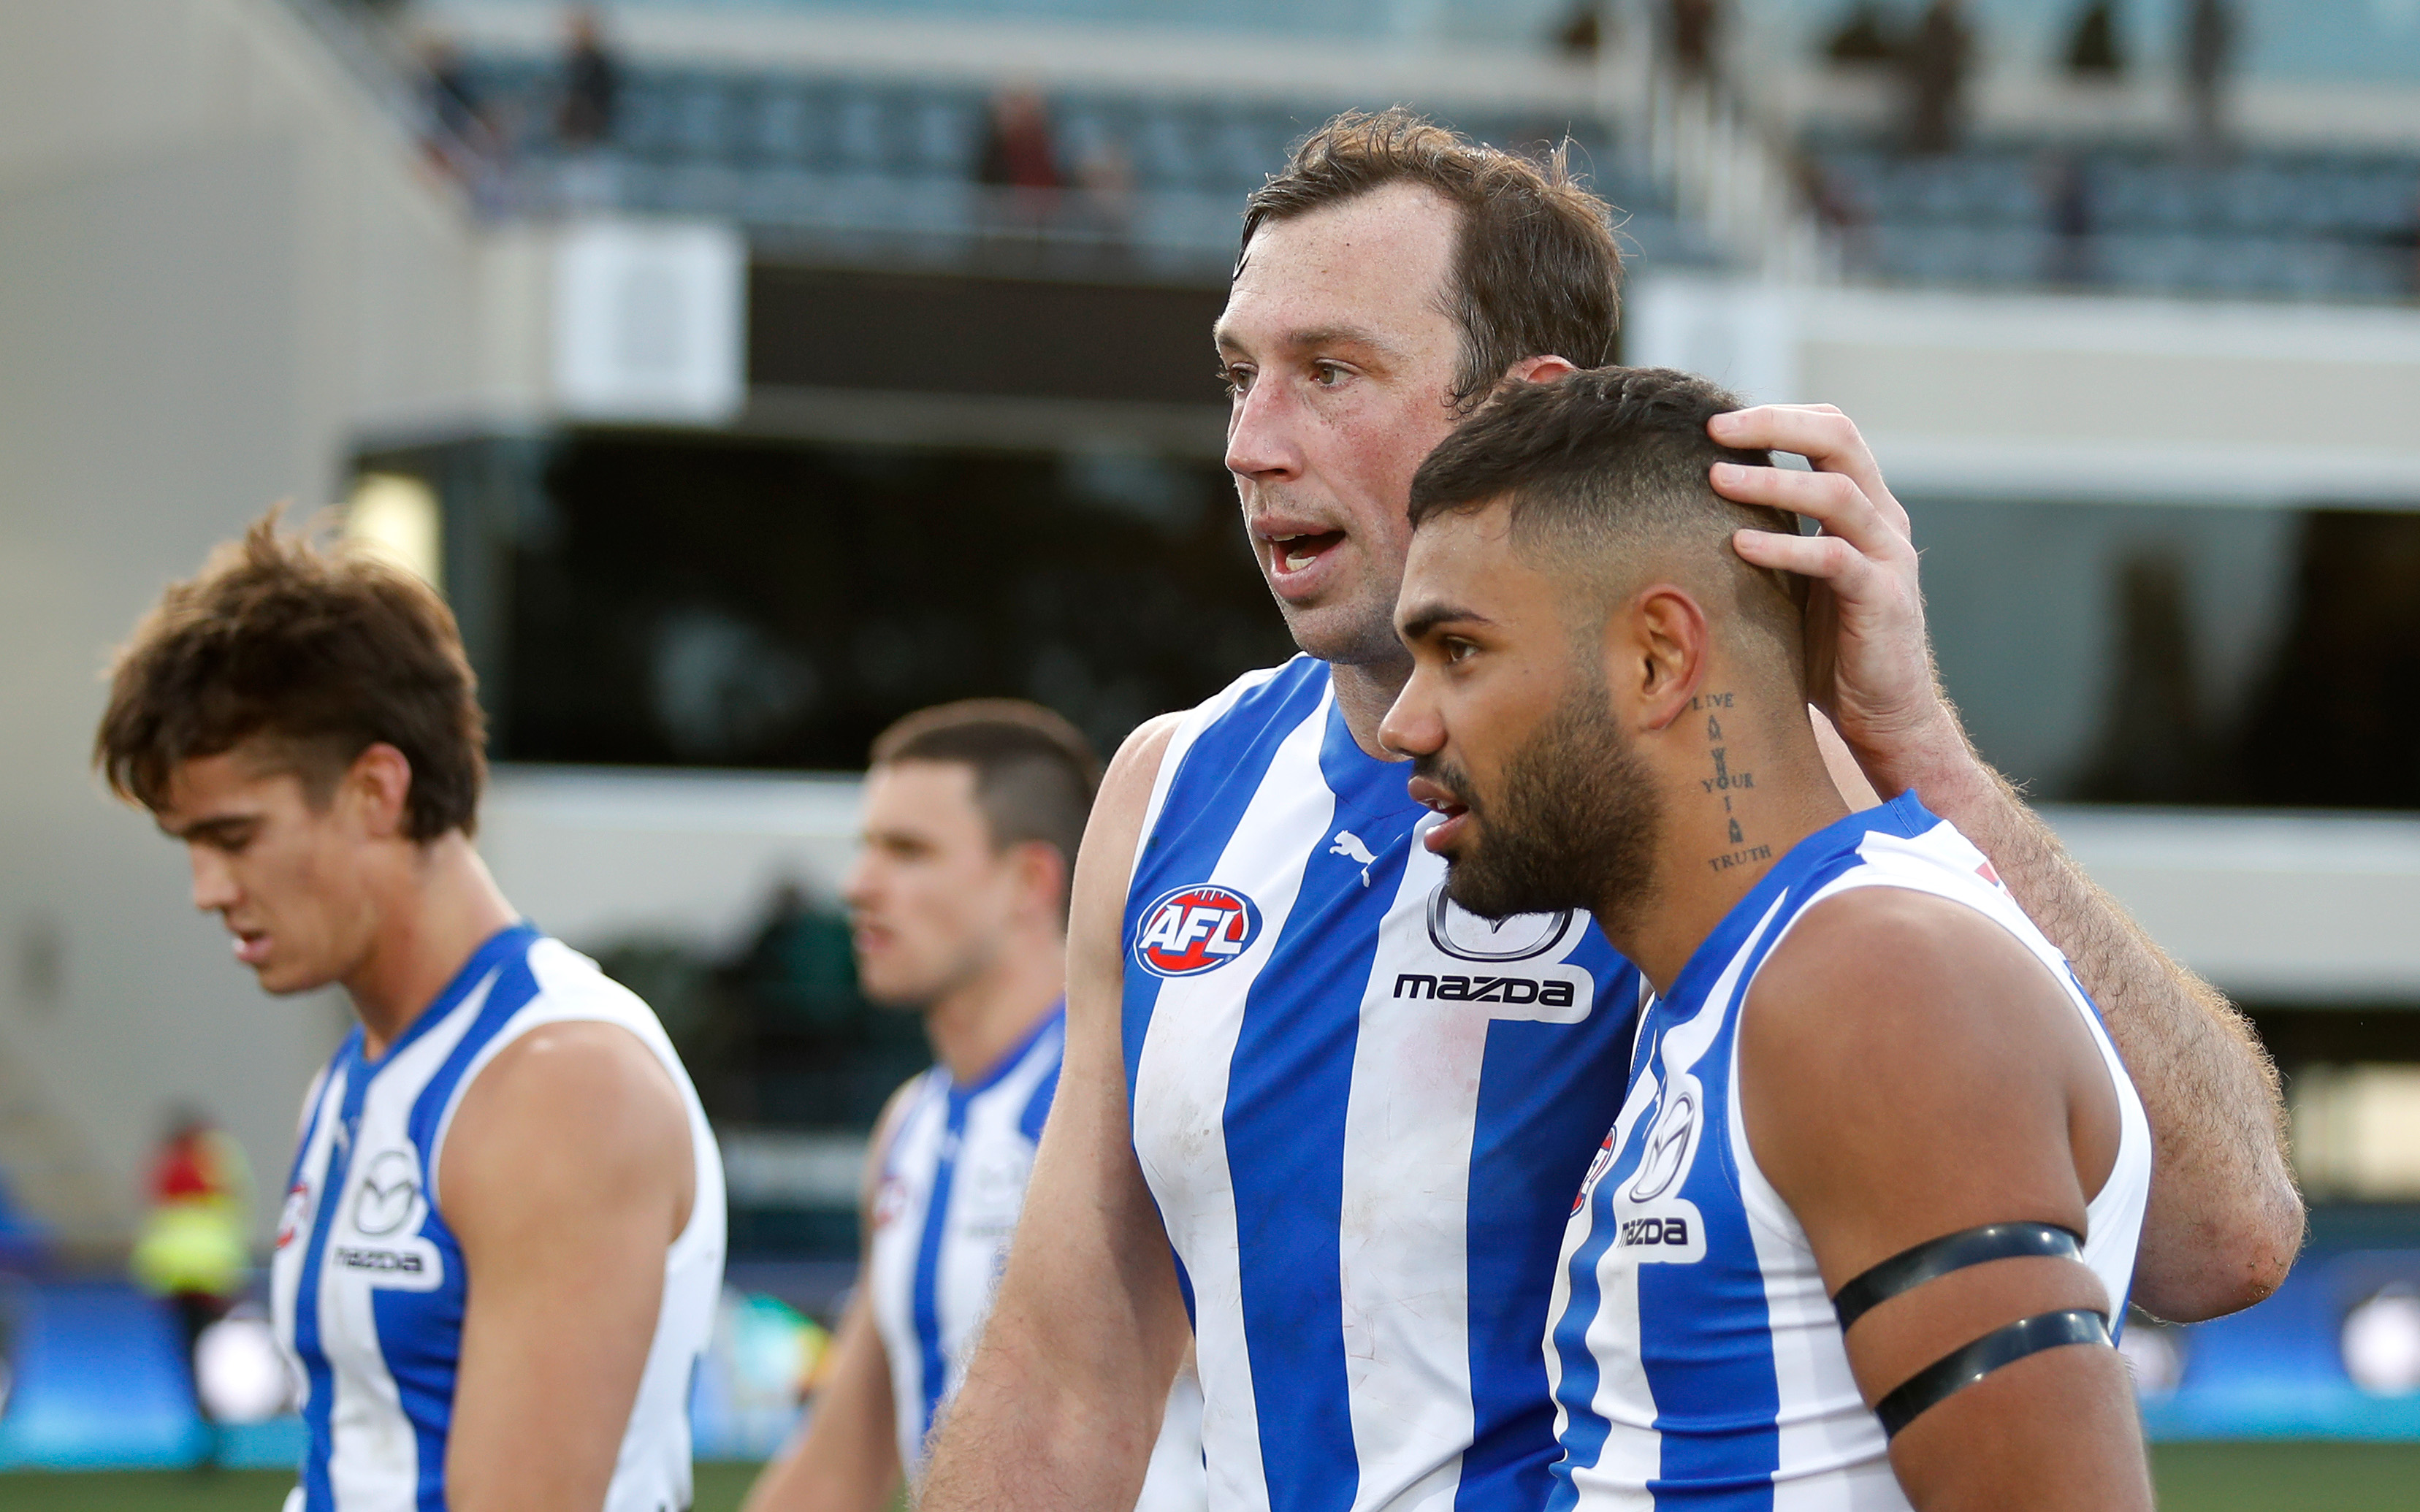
749 373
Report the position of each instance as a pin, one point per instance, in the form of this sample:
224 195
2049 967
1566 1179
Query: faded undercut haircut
1536 269
1034 773
305 655
1606 474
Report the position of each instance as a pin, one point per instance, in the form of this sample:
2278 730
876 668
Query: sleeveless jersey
1696 1359
367 1282
1361 1112
953 1170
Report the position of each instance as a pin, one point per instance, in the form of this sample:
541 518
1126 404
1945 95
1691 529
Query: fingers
1827 438
1832 500
1828 558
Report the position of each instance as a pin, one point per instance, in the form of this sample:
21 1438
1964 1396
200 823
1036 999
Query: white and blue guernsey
367 1282
1696 1358
1361 1112
954 1162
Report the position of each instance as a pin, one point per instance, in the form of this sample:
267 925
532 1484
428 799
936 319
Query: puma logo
1348 845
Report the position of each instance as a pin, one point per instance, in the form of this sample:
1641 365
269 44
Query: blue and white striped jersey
954 1163
367 1282
1362 1113
1696 1359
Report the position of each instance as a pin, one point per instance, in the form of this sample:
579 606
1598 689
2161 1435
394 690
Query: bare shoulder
1125 787
575 1109
1882 975
1909 1068
886 1128
1116 825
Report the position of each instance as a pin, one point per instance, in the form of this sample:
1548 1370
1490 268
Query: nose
857 889
1413 727
1259 434
214 889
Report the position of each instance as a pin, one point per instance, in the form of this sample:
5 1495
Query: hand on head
1868 663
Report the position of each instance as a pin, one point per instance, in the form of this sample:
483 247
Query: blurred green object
195 1246
2281 1477
720 1489
2193 1477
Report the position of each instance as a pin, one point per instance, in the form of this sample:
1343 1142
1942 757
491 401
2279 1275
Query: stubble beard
1354 628
1574 825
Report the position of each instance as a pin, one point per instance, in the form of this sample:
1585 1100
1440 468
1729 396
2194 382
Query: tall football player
503 1240
1362 1185
958 909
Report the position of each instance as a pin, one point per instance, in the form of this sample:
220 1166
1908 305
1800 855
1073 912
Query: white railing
1732 175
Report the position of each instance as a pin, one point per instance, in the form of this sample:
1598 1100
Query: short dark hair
1599 465
317 652
1035 773
1536 271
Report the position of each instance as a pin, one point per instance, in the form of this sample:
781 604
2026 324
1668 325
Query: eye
1329 375
1236 379
1457 648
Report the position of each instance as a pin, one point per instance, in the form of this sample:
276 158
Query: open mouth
1294 553
1441 800
251 946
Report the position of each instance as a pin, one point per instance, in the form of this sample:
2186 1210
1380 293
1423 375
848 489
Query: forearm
829 1470
2223 1220
1027 1432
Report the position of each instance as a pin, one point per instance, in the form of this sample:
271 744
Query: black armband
1936 1258
1960 1369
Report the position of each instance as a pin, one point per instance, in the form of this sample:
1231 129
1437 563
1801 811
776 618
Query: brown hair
1603 471
1035 774
1536 269
319 653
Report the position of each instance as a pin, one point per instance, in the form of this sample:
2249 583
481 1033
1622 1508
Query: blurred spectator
1108 181
191 1251
2093 53
1840 214
2070 196
1864 37
591 80
1581 37
2209 55
1018 151
1937 59
1694 27
1020 162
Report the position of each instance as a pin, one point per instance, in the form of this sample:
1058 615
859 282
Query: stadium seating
2266 224
844 162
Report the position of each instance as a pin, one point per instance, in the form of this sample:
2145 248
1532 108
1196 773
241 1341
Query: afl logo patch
290 1218
1190 930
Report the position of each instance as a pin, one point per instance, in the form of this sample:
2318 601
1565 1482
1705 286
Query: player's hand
1868 664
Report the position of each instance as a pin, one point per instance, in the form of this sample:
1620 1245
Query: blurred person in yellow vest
193 1251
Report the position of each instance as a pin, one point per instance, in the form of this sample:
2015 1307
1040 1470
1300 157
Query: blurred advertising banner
649 321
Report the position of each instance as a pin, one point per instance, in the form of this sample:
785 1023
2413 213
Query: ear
1656 654
379 782
1539 370
1041 877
